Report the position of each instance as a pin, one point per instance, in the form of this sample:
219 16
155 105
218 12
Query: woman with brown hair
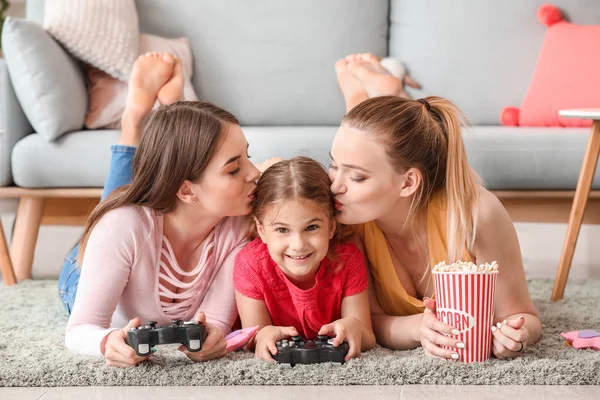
162 247
399 173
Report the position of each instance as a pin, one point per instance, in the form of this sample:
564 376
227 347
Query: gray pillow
48 83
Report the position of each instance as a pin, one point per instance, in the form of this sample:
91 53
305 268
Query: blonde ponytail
426 134
461 181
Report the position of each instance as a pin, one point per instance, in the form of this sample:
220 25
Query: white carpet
32 353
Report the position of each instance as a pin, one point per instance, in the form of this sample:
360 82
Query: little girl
298 277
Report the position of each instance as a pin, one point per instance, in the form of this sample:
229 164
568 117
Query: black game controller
189 333
300 351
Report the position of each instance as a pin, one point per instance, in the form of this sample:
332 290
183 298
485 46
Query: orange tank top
392 296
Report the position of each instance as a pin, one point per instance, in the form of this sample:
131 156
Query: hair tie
425 103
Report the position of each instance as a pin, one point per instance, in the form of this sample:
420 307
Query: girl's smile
297 234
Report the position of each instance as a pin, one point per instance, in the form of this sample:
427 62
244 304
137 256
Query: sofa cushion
480 54
76 159
13 124
81 159
507 158
270 62
520 158
45 79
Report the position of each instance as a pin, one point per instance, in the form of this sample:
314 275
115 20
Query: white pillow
102 33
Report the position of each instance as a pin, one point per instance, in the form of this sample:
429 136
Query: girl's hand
510 338
265 340
117 352
213 346
348 329
433 334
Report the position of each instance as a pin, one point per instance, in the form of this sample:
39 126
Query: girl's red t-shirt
256 275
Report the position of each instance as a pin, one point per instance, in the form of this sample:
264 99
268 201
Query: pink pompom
549 15
509 116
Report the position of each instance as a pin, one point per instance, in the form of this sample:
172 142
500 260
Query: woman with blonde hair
399 173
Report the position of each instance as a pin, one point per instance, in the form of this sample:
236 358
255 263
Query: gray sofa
270 62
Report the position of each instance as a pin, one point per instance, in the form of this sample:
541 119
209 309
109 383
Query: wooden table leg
27 226
8 274
577 211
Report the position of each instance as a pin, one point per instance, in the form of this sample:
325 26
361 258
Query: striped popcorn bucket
466 300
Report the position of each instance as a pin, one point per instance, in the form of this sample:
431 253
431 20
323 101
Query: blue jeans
119 174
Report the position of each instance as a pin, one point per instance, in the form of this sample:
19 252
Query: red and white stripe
466 301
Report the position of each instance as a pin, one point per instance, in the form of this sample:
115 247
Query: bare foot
353 90
172 91
353 57
150 72
376 80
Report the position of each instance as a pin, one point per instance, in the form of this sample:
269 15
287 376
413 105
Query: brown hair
177 143
300 178
426 134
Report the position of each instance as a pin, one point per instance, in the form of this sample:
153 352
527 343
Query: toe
168 57
178 65
341 64
352 57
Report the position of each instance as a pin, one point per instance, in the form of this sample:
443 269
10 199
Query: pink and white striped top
126 255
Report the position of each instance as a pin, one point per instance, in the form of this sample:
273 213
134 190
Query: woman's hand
433 334
348 329
214 346
116 350
265 340
510 338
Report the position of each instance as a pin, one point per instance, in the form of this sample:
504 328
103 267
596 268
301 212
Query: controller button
143 348
194 344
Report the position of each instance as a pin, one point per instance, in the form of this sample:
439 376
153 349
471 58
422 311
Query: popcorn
461 267
465 296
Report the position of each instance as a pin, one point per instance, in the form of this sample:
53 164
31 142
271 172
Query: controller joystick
190 333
